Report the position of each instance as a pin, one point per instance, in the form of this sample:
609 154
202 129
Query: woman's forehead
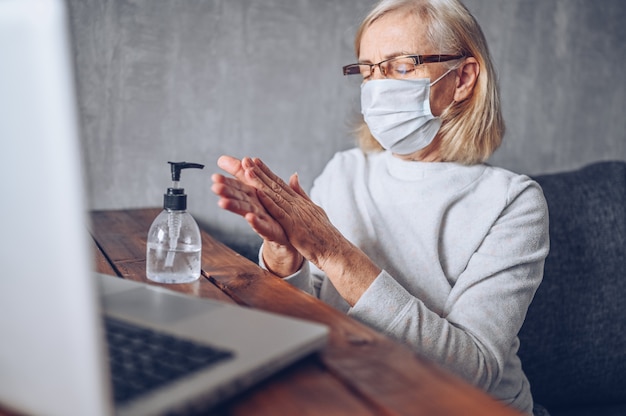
395 33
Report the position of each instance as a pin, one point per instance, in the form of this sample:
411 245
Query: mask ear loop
445 73
445 111
441 77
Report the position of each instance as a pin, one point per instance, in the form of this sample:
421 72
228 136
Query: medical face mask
397 112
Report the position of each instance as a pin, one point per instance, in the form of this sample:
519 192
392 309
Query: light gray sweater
462 250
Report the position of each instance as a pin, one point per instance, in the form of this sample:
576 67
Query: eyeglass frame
417 59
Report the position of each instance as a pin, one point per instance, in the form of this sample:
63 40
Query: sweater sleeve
476 333
312 280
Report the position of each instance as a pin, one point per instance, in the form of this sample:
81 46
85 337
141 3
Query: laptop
55 353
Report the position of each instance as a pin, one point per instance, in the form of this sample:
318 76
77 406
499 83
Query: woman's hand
308 229
239 197
304 224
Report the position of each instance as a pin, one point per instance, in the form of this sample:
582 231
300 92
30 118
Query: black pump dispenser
175 199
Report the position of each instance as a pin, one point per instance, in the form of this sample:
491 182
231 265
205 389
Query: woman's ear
467 75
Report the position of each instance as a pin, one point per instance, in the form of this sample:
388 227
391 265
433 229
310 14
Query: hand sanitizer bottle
174 244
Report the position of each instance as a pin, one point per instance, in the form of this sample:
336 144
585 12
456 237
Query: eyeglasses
398 67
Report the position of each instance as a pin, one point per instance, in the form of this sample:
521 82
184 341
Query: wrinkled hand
293 227
240 197
305 225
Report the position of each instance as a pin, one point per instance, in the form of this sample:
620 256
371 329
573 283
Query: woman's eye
403 69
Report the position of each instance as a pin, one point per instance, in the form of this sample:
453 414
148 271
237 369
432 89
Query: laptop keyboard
142 359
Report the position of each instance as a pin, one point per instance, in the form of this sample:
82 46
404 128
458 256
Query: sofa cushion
573 342
598 410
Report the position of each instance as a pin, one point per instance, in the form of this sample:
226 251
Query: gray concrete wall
190 80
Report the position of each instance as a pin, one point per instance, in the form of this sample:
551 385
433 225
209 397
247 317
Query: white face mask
397 112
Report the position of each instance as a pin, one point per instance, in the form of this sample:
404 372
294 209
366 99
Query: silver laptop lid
49 356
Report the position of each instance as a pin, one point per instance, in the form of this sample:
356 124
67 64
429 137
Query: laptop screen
49 354
52 358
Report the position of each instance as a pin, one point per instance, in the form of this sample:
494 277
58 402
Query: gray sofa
573 342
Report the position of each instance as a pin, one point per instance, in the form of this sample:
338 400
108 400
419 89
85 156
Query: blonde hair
471 129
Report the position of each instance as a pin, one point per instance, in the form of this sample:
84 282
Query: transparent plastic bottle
174 244
173 251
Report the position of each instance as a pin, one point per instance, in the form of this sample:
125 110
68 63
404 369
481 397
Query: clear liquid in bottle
184 268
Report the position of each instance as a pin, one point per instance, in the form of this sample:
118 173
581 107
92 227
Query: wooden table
360 372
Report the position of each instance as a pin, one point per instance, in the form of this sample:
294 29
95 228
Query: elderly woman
412 233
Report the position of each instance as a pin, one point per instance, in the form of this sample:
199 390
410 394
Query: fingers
294 183
255 182
230 188
234 195
250 171
238 196
269 178
267 228
231 165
